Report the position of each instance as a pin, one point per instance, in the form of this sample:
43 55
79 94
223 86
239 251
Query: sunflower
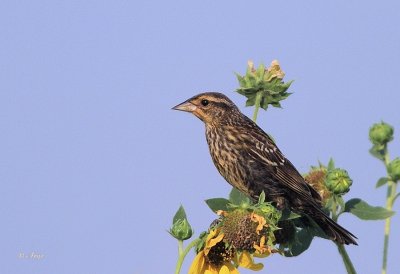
217 257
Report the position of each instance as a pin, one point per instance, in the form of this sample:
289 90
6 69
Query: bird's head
210 107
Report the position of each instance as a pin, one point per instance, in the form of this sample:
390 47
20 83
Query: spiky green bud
394 169
181 230
263 85
381 133
338 181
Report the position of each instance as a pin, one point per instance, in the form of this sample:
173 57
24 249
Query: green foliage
378 151
331 165
289 215
179 215
263 86
338 181
238 198
301 240
382 181
394 169
181 229
364 211
216 204
381 133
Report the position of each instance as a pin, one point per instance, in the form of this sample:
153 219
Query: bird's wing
264 151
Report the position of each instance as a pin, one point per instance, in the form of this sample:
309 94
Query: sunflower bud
338 181
381 134
181 230
274 70
394 169
264 86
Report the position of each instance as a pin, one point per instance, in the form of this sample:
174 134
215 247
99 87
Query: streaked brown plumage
251 162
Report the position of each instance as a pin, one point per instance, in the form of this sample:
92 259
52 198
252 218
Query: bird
251 162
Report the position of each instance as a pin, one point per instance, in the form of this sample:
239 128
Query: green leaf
251 101
179 215
216 204
340 202
238 198
261 199
240 79
260 71
276 104
381 182
331 164
288 84
288 215
306 230
300 243
378 152
364 211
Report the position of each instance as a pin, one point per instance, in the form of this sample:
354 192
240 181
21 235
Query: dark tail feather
333 230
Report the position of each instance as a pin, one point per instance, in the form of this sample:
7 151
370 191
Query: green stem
342 251
391 193
346 259
180 247
183 252
257 106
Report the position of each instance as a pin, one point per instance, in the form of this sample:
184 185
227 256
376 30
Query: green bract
181 230
338 181
263 86
394 169
381 133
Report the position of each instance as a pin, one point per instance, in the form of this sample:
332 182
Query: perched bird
251 162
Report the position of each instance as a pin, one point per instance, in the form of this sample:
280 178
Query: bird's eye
204 102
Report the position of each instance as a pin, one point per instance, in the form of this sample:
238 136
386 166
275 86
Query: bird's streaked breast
225 149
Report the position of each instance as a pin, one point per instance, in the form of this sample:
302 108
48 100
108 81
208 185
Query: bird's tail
333 230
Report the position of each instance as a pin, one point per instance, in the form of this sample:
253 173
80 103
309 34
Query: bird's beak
185 106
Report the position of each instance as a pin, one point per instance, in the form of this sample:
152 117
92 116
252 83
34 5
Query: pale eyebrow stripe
219 100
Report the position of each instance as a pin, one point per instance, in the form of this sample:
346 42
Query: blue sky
94 164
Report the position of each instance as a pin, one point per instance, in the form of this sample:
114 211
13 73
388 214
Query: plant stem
257 106
342 251
346 259
183 252
180 247
391 193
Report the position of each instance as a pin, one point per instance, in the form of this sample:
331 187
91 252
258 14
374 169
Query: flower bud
394 169
181 230
381 134
275 71
338 181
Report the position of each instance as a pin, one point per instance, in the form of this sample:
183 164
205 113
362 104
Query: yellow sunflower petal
262 248
212 269
261 255
246 261
212 234
214 241
228 268
199 264
260 220
211 241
